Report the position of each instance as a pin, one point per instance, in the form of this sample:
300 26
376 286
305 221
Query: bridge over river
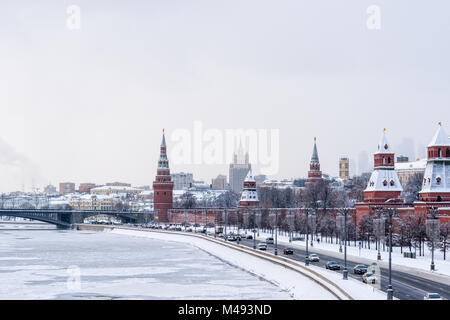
67 218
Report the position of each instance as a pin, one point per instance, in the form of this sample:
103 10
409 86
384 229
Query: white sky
89 105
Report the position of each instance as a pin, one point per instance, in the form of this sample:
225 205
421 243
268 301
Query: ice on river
57 264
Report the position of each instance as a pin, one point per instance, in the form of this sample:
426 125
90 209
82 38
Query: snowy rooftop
419 164
440 138
383 144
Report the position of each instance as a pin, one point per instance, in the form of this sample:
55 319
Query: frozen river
59 264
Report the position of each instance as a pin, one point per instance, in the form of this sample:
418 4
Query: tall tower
314 173
239 169
344 170
384 183
249 196
436 180
163 186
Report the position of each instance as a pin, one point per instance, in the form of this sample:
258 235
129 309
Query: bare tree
412 188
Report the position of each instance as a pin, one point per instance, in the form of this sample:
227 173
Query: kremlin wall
383 190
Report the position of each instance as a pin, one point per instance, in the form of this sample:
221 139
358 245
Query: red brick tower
384 183
383 188
435 191
163 186
314 173
249 196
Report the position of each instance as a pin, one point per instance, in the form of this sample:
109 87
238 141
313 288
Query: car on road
262 246
313 257
332 265
298 238
249 236
287 251
269 240
370 278
360 269
432 296
231 237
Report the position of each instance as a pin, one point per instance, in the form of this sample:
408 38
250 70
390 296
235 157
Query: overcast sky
89 104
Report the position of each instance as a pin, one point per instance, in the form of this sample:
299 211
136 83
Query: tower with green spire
314 173
163 186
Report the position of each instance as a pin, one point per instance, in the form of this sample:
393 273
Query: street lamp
379 225
431 231
226 222
390 212
254 229
237 216
345 212
307 255
276 232
215 223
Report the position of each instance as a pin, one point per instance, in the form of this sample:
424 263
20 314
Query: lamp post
307 256
254 229
345 271
276 232
378 225
390 212
226 222
215 223
431 230
237 217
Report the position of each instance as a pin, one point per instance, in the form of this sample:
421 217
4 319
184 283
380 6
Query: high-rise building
219 183
314 173
239 169
86 187
344 168
163 186
66 187
182 180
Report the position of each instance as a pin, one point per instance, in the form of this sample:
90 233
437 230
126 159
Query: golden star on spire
440 123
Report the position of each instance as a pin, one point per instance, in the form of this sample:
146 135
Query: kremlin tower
436 180
384 183
163 186
249 195
384 187
314 173
435 191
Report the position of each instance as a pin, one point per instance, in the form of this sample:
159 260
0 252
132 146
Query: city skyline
89 104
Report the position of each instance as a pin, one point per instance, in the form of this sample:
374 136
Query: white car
313 257
262 246
432 296
269 240
370 278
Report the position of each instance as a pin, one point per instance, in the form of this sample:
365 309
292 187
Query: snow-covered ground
300 287
421 263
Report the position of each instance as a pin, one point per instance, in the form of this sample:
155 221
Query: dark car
288 251
333 265
360 269
249 236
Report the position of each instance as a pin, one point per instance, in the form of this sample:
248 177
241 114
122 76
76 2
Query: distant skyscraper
239 169
66 187
182 180
344 168
219 183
